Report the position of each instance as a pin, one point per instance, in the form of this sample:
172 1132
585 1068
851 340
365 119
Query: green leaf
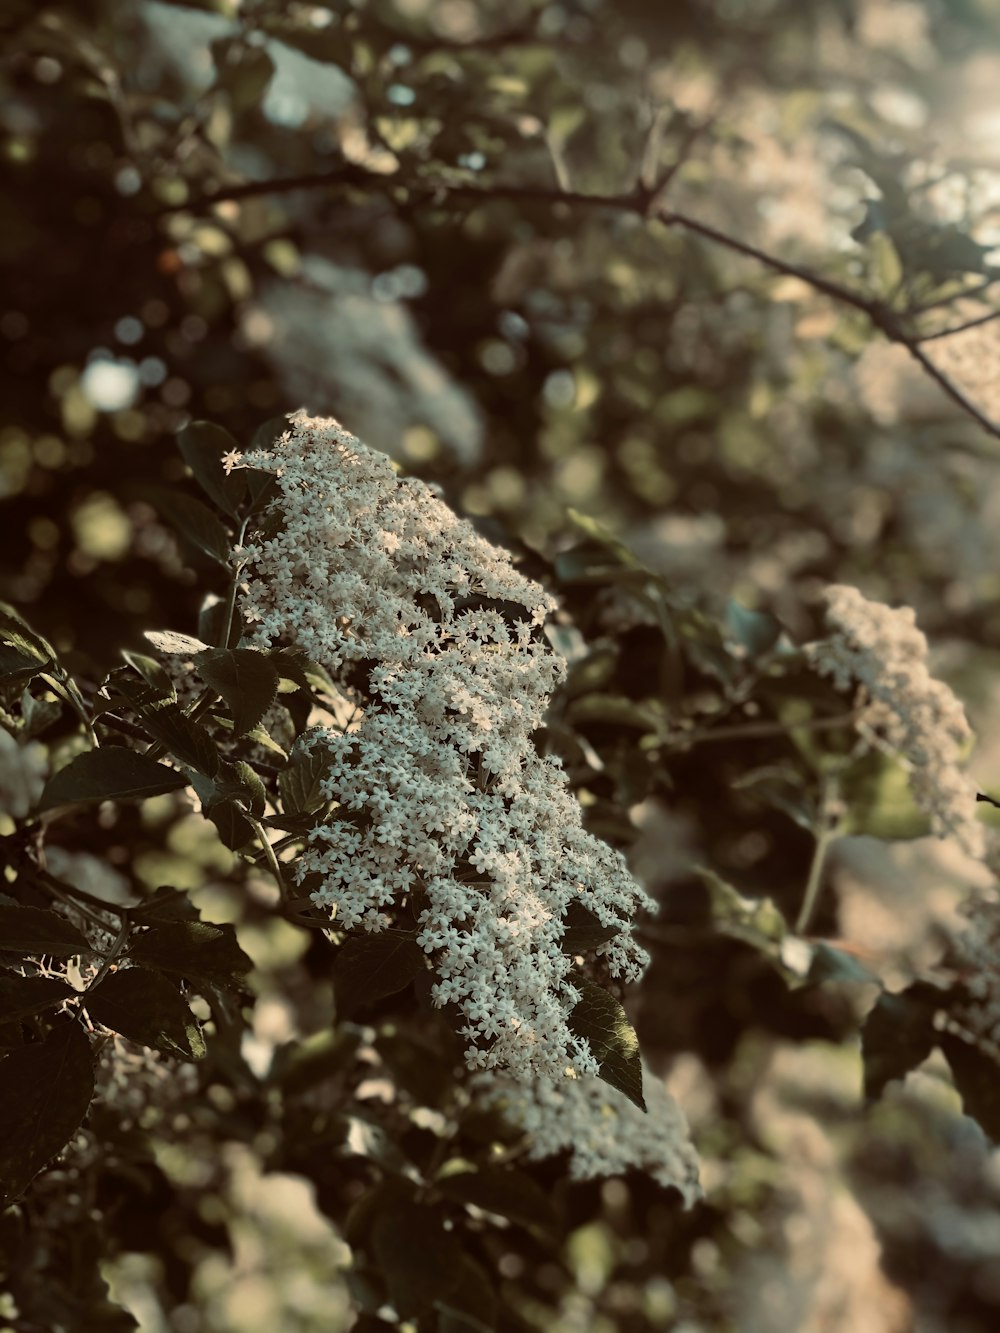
21 996
755 631
147 1008
202 445
112 773
471 1306
502 1190
174 644
38 714
198 951
35 930
232 825
246 679
756 921
195 522
165 904
46 1091
977 1078
28 647
152 673
584 931
187 741
600 1019
899 1035
420 1260
369 967
300 783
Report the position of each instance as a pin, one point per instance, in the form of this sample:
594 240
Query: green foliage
47 1089
148 1009
599 1018
112 773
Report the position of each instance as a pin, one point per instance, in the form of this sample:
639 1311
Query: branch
959 328
638 203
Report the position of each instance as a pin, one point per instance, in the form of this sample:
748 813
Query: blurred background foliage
548 363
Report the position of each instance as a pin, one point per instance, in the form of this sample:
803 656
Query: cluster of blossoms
443 806
881 651
976 951
603 1132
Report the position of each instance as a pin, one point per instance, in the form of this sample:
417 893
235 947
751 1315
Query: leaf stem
828 831
116 948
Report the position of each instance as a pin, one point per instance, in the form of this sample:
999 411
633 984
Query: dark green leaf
234 829
187 741
583 929
35 930
977 1078
899 1035
112 773
38 714
46 1091
195 522
471 1307
196 950
600 1019
152 673
246 679
147 1008
21 996
420 1260
202 445
504 1191
210 625
17 634
832 964
165 904
301 782
369 967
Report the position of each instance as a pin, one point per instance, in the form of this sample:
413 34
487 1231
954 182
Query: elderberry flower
454 815
604 1133
881 651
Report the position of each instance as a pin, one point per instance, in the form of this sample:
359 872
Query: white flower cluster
604 1133
977 953
443 804
882 651
23 769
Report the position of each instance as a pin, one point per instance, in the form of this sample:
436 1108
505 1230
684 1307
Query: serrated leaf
47 1089
152 673
300 783
899 1035
147 1008
195 522
21 996
246 680
35 930
174 644
111 773
502 1190
202 445
420 1260
583 930
198 951
369 967
187 741
165 904
600 1019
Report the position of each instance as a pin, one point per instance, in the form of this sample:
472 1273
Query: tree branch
639 203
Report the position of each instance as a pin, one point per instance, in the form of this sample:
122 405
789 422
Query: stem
274 865
828 832
751 729
112 957
64 891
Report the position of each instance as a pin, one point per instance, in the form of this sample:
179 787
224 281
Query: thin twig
959 328
738 731
637 202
